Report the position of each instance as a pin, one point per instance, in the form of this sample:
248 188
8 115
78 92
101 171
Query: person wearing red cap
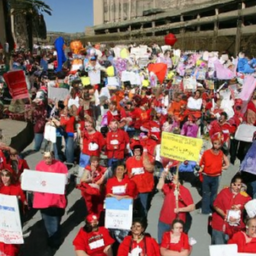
93 240
139 242
140 170
117 141
212 163
8 186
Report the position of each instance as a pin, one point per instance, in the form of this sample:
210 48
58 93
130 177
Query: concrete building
198 24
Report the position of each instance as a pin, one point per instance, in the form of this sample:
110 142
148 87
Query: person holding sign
228 215
10 187
140 170
120 186
175 242
93 240
172 209
212 163
52 206
138 243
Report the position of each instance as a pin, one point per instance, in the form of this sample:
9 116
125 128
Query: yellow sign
180 148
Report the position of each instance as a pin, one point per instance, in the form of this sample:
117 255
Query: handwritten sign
45 182
180 148
10 226
118 213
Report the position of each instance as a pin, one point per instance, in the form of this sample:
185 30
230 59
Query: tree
27 20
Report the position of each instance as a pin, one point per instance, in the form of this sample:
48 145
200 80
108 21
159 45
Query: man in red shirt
140 170
212 163
117 141
171 208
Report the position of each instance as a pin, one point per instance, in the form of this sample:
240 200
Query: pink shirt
45 200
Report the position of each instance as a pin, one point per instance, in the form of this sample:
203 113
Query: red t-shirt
225 200
183 243
141 116
240 238
116 144
126 187
167 214
212 163
13 190
69 123
93 143
98 173
148 246
93 243
142 178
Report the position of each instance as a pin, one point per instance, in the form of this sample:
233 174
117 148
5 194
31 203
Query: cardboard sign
10 226
245 132
223 250
45 182
118 213
57 93
180 148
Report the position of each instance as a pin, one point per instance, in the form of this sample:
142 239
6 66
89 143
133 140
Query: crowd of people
111 136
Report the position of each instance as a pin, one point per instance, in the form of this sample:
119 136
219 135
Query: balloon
170 39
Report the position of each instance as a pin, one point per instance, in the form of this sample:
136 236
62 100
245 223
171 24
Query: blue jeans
219 237
39 137
144 202
69 149
253 184
210 189
162 227
112 162
52 226
84 160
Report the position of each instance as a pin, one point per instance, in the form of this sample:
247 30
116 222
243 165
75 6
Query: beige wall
98 12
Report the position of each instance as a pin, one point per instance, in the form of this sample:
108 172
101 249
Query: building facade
224 25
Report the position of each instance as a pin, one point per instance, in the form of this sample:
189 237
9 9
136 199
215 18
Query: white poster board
57 93
223 250
10 226
245 254
245 132
118 213
45 182
94 76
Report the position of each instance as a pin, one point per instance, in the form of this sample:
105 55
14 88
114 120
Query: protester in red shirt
172 208
212 163
92 144
246 241
175 242
113 113
229 200
8 186
120 186
91 186
68 122
93 240
117 141
138 243
140 170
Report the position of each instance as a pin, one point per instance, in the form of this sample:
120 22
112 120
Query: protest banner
57 93
10 226
45 182
223 250
180 148
118 213
245 132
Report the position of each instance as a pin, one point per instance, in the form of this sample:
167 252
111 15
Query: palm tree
26 19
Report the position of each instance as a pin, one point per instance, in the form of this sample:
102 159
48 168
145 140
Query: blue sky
69 16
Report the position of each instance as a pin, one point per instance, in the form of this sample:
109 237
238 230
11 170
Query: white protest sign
57 93
118 213
10 226
143 61
94 76
45 182
245 254
245 132
223 250
112 81
139 51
